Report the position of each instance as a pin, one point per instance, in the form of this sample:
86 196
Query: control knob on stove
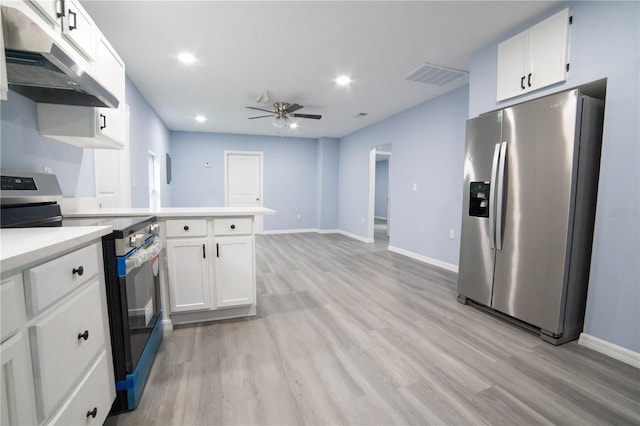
136 240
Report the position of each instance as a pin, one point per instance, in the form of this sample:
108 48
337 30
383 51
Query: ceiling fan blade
260 109
293 108
314 116
261 116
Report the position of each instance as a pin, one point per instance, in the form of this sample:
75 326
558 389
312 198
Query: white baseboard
328 231
290 231
440 264
167 325
355 237
610 349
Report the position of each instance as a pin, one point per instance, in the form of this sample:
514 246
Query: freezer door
475 277
541 155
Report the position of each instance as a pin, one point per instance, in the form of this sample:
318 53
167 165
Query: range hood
39 69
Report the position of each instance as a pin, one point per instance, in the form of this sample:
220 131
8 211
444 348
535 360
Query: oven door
141 284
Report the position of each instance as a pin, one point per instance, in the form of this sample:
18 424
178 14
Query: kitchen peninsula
207 268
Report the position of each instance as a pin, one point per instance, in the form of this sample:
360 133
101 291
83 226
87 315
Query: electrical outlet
363 220
415 187
452 234
207 163
298 216
47 170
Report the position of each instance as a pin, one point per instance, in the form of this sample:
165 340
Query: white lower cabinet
73 332
188 264
235 276
16 375
89 404
211 268
56 358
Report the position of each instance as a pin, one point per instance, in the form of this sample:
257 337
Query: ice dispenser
479 199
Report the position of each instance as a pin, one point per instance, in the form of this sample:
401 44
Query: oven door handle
143 255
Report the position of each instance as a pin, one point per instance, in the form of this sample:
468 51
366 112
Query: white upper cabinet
4 85
50 9
534 58
91 127
78 28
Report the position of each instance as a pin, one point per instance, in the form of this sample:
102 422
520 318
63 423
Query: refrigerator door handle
500 194
492 195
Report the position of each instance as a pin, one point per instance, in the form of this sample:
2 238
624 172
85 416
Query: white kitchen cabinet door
548 51
535 58
52 10
78 28
235 277
513 62
110 72
4 83
16 378
188 262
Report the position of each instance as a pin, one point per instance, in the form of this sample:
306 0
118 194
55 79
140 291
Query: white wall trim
355 237
440 264
610 349
290 231
167 326
328 231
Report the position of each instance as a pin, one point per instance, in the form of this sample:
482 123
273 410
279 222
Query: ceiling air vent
435 74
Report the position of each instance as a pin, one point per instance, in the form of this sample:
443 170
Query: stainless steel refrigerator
530 186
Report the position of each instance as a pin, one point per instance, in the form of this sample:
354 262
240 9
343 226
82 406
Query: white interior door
244 182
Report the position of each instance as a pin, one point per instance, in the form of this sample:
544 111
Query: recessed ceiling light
293 126
186 58
200 118
343 80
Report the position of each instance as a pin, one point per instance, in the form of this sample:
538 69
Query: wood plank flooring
350 333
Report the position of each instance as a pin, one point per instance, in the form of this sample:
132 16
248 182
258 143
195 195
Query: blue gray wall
146 133
289 174
605 42
22 148
382 189
428 150
327 183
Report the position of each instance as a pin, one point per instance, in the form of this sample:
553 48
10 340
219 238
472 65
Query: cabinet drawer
93 395
60 351
187 228
233 226
52 280
12 313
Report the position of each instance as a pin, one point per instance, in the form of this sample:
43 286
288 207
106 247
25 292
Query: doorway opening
154 181
379 194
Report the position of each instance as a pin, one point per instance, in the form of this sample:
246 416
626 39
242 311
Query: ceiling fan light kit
282 114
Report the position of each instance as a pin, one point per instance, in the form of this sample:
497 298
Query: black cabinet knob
78 271
84 336
233 227
93 413
186 227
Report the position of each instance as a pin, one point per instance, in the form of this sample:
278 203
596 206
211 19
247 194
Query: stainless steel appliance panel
539 178
475 278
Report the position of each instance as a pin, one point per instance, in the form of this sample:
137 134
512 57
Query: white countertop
175 212
21 246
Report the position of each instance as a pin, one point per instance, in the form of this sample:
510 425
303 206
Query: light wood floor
349 333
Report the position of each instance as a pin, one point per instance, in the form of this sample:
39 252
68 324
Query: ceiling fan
282 113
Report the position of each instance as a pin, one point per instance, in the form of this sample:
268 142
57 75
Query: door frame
257 219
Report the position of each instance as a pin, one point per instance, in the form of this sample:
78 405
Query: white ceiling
294 49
